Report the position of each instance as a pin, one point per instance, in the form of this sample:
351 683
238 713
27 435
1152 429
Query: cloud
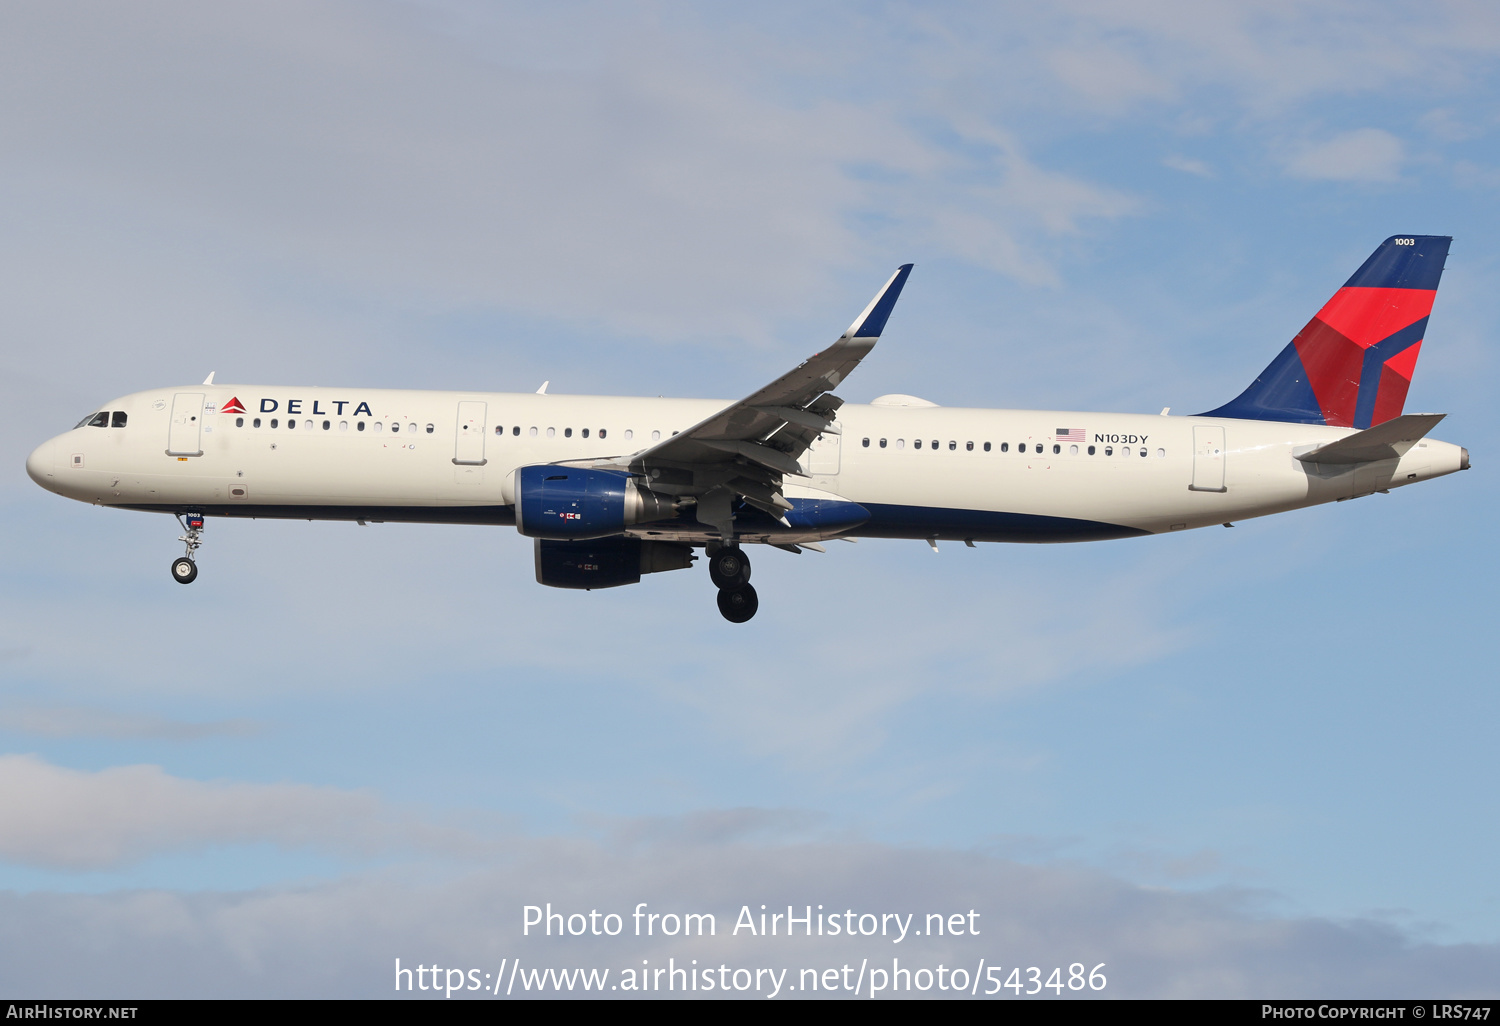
1188 165
1107 77
387 155
82 722
341 939
1361 155
1268 56
63 818
839 703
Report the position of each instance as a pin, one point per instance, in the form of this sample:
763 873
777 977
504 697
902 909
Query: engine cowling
570 503
605 562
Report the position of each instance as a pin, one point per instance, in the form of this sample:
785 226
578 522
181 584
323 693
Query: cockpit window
118 419
98 420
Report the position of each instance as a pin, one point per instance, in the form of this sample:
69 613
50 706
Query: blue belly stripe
892 521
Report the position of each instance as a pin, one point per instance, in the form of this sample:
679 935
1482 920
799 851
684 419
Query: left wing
744 450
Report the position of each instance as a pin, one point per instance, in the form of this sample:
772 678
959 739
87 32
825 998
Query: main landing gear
729 569
184 570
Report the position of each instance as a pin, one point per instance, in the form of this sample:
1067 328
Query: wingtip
871 322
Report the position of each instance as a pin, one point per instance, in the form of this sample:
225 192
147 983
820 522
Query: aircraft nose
41 465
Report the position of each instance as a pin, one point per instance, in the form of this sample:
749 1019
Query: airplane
611 489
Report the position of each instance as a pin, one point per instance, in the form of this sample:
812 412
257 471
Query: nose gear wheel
184 569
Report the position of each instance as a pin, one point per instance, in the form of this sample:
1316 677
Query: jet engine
569 503
605 562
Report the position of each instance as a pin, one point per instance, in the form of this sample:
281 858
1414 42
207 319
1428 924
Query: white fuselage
923 472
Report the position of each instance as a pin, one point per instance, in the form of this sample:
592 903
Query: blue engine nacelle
605 562
569 503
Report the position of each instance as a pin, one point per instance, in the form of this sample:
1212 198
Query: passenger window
291 425
882 443
431 428
1160 453
395 427
1056 449
499 430
934 445
585 432
375 427
969 446
567 432
602 433
531 432
359 425
307 424
552 432
865 442
327 424
987 446
1143 452
1021 447
514 431
1072 450
239 422
656 436
118 419
1091 450
629 434
274 422
100 420
954 445
1109 450
916 443
343 425
901 443
255 423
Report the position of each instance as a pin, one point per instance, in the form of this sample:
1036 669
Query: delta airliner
614 488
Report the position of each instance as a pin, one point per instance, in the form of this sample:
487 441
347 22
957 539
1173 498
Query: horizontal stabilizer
1386 441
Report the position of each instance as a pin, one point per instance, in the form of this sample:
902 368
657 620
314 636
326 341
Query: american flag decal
1071 435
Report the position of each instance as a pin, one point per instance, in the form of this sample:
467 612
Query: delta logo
233 406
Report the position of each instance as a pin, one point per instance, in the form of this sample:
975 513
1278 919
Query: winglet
210 379
543 389
871 322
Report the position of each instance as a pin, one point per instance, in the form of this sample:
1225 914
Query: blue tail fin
1352 364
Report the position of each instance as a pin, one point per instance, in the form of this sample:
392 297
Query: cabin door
1208 459
823 456
468 447
187 422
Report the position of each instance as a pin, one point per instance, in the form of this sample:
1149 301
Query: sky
1245 763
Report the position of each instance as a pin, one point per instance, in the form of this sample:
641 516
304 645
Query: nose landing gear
729 569
184 570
